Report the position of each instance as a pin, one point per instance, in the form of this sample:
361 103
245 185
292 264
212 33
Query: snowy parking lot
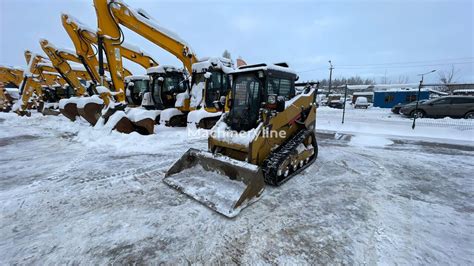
378 193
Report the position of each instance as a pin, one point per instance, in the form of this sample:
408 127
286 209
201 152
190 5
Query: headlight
271 99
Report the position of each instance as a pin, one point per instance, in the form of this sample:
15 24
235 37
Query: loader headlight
272 99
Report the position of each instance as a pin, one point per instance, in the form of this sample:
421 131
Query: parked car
451 106
396 108
361 102
338 104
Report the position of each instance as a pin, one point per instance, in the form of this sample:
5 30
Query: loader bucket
70 111
90 112
221 183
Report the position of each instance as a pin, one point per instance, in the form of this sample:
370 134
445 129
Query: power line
388 65
412 62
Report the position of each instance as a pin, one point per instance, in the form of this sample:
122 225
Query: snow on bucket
223 184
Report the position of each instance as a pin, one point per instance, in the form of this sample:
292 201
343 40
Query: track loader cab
167 84
256 87
267 137
136 87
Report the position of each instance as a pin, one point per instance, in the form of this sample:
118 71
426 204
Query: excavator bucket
69 110
90 111
223 184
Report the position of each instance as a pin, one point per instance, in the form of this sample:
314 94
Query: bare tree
448 76
403 79
384 79
226 54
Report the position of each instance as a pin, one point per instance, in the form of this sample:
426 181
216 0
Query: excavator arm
11 75
85 40
59 61
111 14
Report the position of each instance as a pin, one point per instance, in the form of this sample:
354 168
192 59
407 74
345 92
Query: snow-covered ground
379 193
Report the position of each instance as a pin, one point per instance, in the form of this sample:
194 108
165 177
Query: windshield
140 86
217 86
246 92
166 88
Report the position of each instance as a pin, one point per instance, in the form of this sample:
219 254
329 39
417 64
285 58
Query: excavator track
272 164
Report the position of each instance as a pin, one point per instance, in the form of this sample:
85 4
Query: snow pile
181 99
383 122
222 132
369 141
13 92
196 94
136 77
263 67
112 121
82 101
211 188
167 114
162 69
196 115
138 114
205 64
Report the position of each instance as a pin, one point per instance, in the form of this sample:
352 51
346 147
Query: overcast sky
364 38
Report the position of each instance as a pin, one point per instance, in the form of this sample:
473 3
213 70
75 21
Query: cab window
280 87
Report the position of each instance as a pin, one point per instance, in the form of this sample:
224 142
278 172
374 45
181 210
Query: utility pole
415 115
330 77
344 104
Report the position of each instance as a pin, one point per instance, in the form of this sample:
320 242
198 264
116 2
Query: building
392 97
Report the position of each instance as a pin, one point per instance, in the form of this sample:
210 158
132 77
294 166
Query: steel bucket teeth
223 184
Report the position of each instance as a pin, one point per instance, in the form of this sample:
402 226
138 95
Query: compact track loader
267 136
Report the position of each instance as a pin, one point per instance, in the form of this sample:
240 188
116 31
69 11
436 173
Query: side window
215 81
285 88
461 101
411 98
442 101
389 98
280 87
273 85
254 91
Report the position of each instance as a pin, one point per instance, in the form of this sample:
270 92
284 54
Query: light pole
330 77
418 97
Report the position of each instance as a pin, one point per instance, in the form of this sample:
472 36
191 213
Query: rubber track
278 156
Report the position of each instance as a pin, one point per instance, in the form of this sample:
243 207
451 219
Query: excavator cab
167 83
210 87
136 86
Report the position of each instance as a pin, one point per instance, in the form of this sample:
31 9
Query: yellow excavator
8 76
34 78
112 14
202 104
85 40
267 136
41 71
59 59
210 87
